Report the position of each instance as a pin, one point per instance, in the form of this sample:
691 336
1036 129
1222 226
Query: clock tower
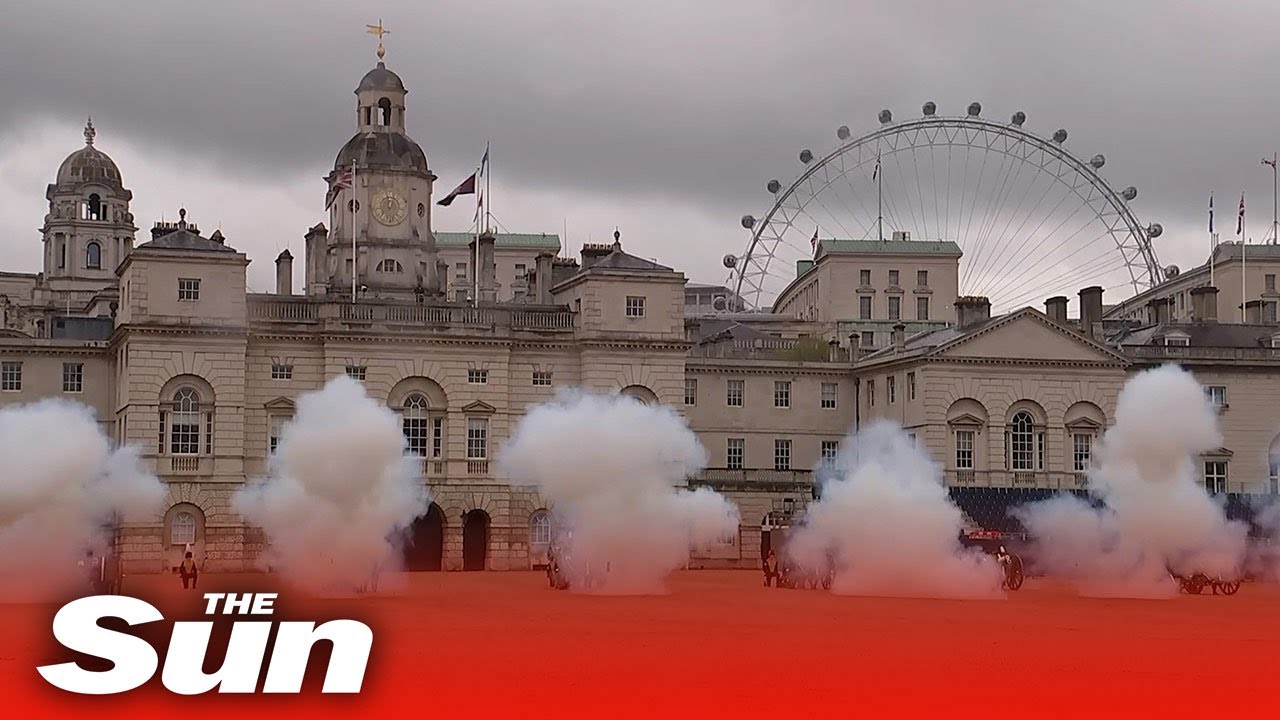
380 193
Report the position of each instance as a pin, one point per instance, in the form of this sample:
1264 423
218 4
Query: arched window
390 266
183 529
93 208
415 423
540 528
1022 443
93 256
384 112
184 425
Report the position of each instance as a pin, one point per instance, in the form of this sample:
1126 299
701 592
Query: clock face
388 207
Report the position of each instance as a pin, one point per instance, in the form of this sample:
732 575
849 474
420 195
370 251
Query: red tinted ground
720 644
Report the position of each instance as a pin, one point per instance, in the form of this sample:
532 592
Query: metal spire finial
378 30
89 132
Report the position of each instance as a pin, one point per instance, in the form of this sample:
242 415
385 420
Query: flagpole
1244 278
475 271
487 166
1213 242
355 288
879 197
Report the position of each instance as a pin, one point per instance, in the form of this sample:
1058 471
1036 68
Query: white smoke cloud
886 517
61 485
1157 515
338 492
608 466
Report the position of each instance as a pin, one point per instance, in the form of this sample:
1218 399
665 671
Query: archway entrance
475 540
425 547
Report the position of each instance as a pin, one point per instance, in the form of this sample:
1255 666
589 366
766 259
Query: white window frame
782 394
477 376
281 371
690 391
477 438
782 454
540 528
911 386
895 307
922 303
188 289
72 377
635 306
542 378
1217 395
735 453
830 396
1214 481
828 450
357 372
891 388
182 528
415 424
740 396
1026 443
871 393
11 376
966 449
1081 451
275 430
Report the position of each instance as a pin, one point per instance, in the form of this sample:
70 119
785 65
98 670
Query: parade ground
719 644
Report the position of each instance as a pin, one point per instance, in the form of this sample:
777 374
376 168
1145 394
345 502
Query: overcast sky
663 117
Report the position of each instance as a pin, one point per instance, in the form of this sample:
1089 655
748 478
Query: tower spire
89 132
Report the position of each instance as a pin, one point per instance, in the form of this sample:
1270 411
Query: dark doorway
766 542
425 547
475 539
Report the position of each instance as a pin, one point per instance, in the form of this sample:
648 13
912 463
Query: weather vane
379 31
89 132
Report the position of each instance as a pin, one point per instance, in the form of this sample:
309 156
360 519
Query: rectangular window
864 307
275 430
1270 282
416 427
11 376
911 386
460 274
1217 395
635 306
72 377
1178 341
1081 451
781 454
477 438
922 308
357 372
869 338
520 271
437 437
188 289
891 388
895 307
690 391
922 278
734 451
1269 311
871 393
829 393
477 377
964 449
864 277
734 392
830 448
781 394
184 433
460 295
542 378
893 278
281 371
1215 476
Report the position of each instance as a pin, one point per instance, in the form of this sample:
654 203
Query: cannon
1195 584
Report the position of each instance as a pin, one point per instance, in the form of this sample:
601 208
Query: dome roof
380 78
88 164
382 150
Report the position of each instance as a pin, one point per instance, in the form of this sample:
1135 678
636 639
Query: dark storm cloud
697 101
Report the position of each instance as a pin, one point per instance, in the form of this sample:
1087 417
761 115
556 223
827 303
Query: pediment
1084 422
967 420
280 403
1028 335
1219 453
479 407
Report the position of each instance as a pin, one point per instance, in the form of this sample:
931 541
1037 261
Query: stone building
460 333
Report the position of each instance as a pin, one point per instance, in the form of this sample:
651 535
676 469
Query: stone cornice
39 348
721 367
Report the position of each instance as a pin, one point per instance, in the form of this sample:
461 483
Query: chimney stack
1204 303
1158 311
284 273
1253 312
315 271
900 336
542 277
1090 309
1056 308
592 252
971 310
486 270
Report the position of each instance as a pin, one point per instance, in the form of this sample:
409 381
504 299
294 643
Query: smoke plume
339 492
61 488
887 522
1156 514
608 467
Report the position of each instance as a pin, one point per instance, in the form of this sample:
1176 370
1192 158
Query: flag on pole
468 187
1269 161
1240 217
814 242
479 204
1210 213
342 183
876 172
484 161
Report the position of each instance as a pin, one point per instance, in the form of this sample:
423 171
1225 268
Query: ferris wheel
1031 219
